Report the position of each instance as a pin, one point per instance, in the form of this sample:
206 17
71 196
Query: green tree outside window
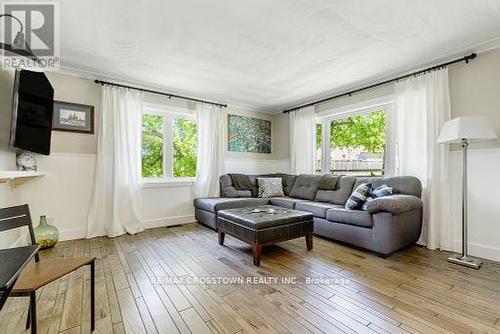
367 131
184 138
152 146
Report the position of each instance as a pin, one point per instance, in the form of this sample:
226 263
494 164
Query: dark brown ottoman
259 227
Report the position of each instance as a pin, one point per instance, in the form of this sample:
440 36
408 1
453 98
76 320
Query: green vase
46 235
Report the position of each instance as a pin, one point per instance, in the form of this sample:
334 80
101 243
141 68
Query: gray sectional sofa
390 223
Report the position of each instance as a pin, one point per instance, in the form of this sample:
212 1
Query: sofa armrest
395 204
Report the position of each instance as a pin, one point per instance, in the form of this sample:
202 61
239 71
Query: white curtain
422 106
302 141
210 158
115 203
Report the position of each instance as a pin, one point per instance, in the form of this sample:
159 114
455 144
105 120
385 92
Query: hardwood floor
413 291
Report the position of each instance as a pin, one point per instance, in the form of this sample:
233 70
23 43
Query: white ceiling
267 54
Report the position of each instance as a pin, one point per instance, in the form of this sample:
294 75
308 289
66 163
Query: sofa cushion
367 179
405 185
339 195
318 209
286 202
228 190
214 204
328 182
288 181
305 186
351 217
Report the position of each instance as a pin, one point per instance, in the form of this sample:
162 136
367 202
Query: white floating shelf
17 178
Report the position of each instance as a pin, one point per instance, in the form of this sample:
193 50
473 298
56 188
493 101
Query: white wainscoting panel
171 206
245 166
64 193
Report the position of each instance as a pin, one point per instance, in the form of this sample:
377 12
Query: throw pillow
270 187
358 196
381 191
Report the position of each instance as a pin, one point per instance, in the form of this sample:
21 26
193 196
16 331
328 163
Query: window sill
167 183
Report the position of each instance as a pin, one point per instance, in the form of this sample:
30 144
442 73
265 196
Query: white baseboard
167 221
77 233
478 250
148 223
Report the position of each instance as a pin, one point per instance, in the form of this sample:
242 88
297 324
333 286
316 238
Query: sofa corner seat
205 209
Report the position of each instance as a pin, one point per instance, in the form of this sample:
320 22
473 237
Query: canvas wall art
248 134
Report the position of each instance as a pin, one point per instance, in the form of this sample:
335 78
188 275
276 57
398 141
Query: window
319 147
168 145
356 144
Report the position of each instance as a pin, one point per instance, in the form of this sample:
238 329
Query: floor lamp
463 130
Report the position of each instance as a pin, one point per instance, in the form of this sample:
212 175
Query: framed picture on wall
73 117
248 134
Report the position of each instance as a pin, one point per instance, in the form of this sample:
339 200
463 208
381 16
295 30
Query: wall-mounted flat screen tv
32 106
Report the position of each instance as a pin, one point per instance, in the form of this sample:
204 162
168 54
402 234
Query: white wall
63 193
475 91
483 201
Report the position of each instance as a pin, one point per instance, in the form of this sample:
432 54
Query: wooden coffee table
265 225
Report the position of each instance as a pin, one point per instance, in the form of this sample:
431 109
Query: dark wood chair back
17 217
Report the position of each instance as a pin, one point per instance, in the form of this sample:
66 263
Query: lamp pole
465 146
464 258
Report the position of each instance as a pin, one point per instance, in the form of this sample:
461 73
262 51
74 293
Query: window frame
326 118
169 114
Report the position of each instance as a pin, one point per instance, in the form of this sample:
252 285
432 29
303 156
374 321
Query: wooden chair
39 274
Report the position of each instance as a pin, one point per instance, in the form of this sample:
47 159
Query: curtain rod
349 93
169 95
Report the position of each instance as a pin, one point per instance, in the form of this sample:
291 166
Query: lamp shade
470 128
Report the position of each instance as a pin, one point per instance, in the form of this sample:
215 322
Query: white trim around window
169 115
167 183
357 108
326 117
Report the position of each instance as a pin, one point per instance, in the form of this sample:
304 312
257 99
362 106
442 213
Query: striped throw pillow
381 191
358 197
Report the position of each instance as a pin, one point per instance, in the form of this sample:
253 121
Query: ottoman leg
221 237
256 250
309 241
